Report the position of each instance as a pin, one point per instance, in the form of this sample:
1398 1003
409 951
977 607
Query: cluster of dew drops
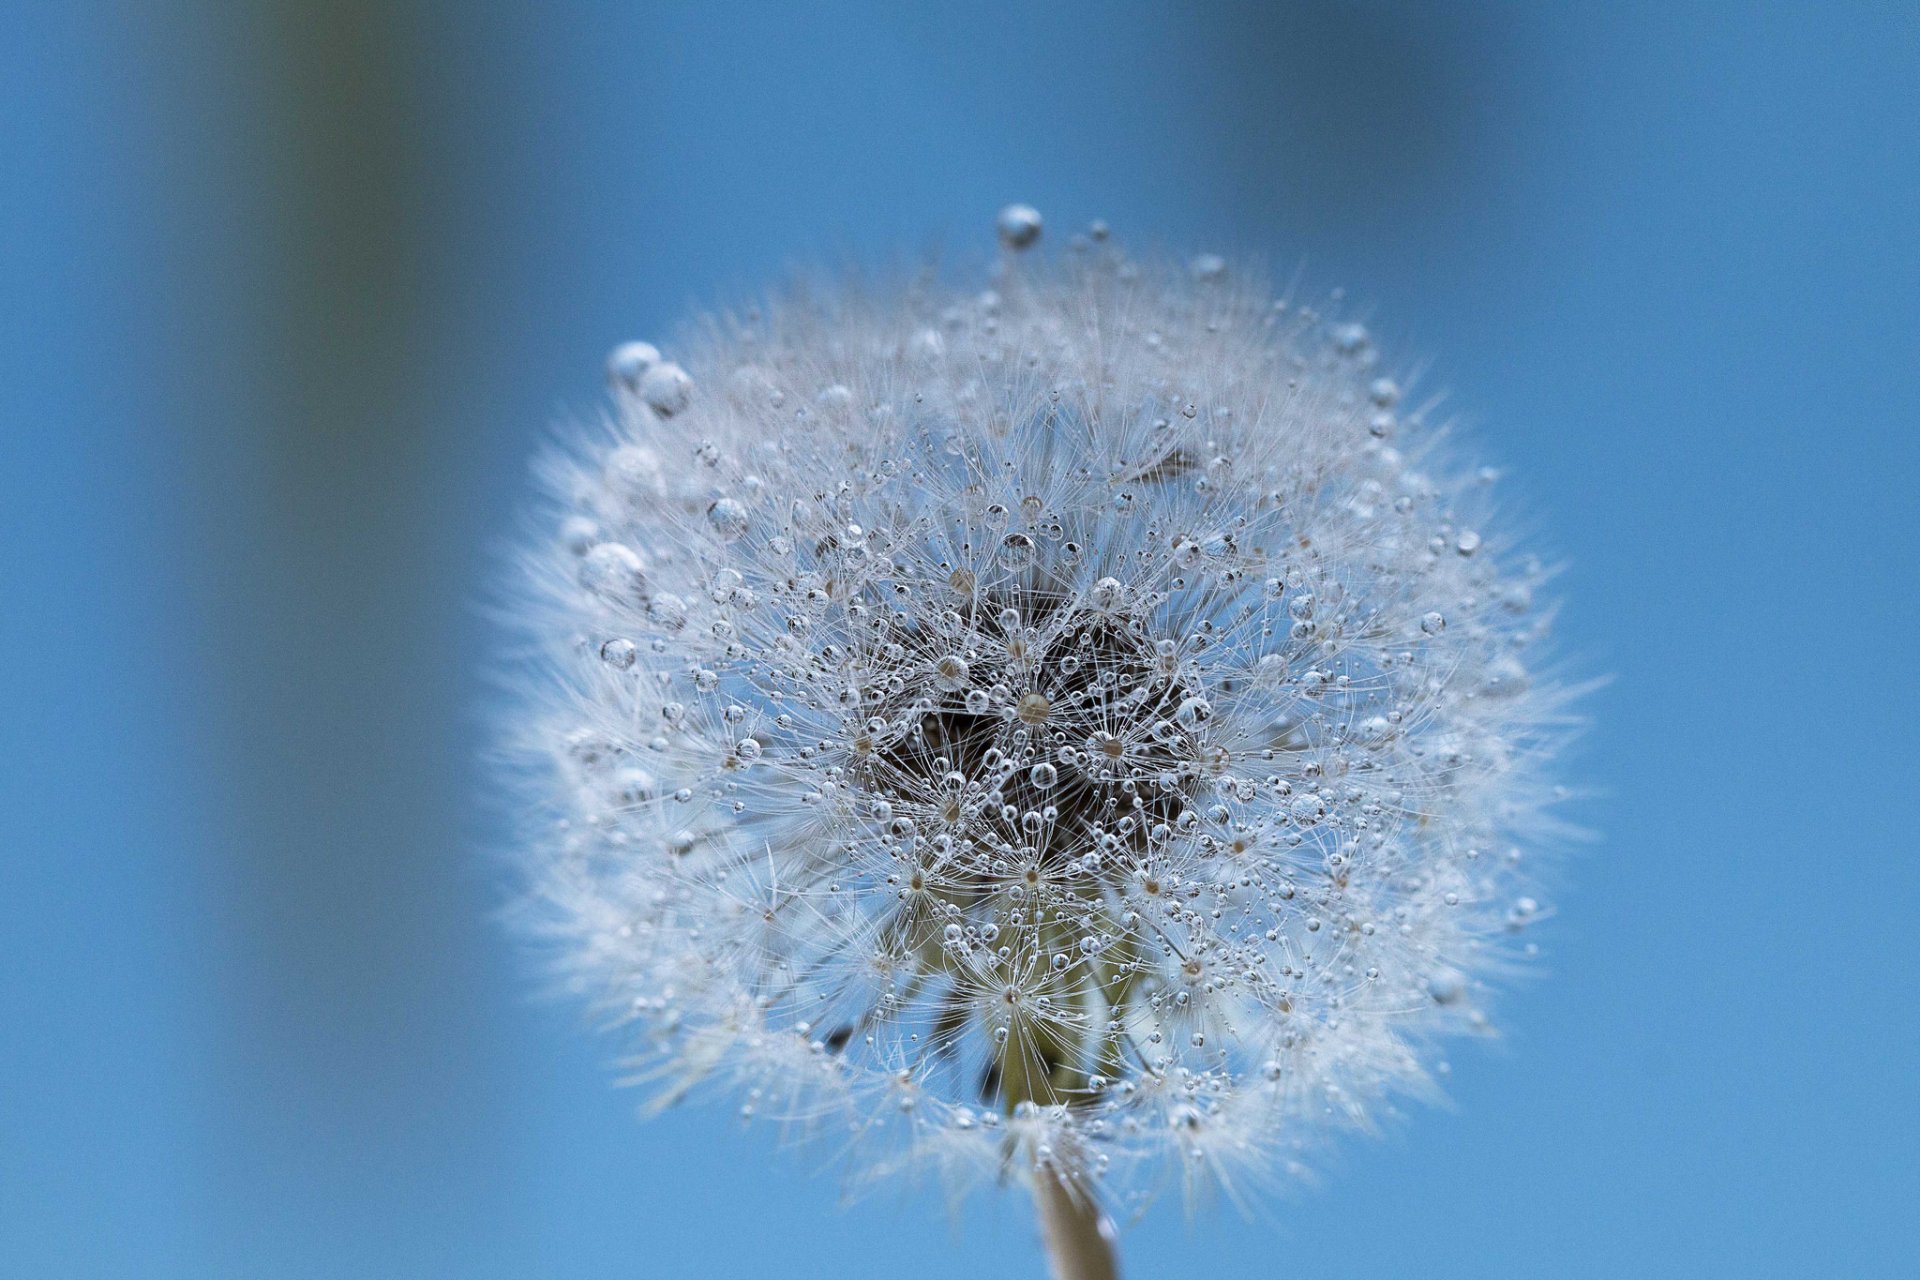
1088 698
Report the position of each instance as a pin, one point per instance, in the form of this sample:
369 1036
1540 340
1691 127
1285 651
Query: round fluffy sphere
1090 721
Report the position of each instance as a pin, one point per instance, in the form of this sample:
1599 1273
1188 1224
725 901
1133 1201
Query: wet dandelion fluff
1092 723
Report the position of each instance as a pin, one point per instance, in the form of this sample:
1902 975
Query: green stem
1079 1238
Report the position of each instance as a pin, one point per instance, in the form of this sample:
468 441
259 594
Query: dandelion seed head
1090 715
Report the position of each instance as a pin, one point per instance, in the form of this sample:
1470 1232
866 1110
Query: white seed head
1093 715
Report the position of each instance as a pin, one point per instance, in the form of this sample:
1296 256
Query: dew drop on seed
1043 776
1018 225
1016 551
666 388
1433 623
619 654
612 571
633 473
1034 708
579 534
950 673
728 519
634 786
668 611
628 363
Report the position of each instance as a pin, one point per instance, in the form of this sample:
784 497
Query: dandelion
1081 732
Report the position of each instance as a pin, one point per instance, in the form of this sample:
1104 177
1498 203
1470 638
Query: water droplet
1433 623
628 363
950 673
1506 678
614 572
579 534
1043 776
1016 551
634 786
728 519
1034 708
1018 225
619 654
667 389
1194 711
667 611
633 472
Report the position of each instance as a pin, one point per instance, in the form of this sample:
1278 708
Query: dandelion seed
1070 725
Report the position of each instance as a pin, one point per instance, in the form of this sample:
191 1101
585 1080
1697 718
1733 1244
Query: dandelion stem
1079 1237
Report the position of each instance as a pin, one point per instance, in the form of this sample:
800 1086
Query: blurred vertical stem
352 997
1079 1237
1037 1065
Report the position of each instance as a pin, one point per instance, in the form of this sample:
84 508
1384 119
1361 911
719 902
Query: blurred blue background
291 290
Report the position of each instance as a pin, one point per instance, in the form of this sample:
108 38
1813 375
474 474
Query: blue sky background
291 290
